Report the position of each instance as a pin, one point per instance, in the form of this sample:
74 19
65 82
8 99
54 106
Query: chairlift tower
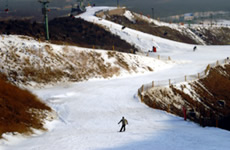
44 12
152 13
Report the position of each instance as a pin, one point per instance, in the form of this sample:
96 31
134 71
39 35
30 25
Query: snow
129 16
29 49
89 111
146 41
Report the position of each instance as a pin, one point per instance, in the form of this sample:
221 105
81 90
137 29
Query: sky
165 8
162 8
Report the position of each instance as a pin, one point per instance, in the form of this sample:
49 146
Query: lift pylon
45 13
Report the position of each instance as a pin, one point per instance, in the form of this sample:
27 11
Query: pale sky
162 8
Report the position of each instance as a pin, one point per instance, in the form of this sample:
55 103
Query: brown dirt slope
207 103
213 35
19 109
66 30
161 31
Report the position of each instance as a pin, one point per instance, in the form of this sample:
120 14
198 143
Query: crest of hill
193 34
68 31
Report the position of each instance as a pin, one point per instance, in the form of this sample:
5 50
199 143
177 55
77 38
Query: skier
154 49
124 123
194 48
123 27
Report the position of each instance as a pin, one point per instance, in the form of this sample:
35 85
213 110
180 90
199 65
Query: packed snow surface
89 112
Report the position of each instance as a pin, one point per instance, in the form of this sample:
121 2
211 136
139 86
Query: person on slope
194 48
124 123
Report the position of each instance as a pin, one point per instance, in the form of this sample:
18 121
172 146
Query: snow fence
189 78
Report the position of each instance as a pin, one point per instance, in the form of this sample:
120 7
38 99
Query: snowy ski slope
89 111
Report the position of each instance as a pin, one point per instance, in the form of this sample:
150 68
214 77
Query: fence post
169 82
142 88
217 62
142 99
153 84
198 75
169 58
225 61
185 78
207 69
93 47
158 57
217 123
2 37
113 47
185 113
169 108
147 53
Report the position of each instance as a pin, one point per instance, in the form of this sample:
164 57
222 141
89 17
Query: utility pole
153 13
44 12
117 3
211 18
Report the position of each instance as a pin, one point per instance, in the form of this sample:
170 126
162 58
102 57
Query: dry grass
146 27
209 90
46 65
20 110
67 31
121 62
42 75
111 54
214 35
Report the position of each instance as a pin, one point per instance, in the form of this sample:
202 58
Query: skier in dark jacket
194 48
124 123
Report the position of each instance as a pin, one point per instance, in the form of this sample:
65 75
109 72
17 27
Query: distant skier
154 49
123 27
124 123
194 48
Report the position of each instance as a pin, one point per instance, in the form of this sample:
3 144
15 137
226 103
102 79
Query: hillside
215 35
91 89
136 21
68 31
21 112
191 34
25 61
206 100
